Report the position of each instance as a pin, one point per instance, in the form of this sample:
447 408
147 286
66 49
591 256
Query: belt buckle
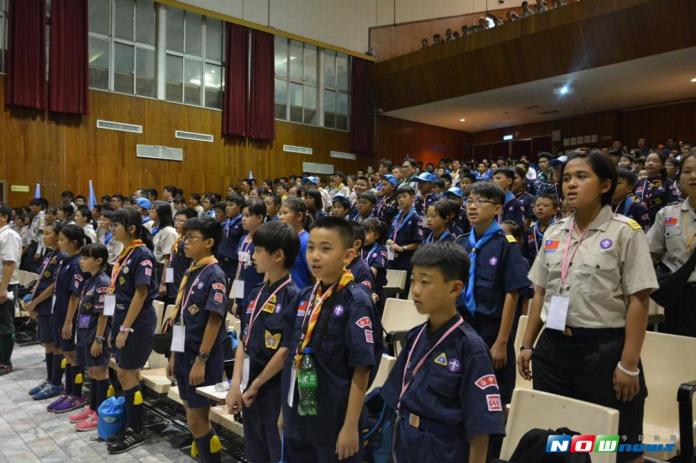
568 331
413 420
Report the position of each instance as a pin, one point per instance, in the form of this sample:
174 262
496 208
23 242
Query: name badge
245 372
83 321
557 313
169 275
293 380
237 291
178 338
109 305
390 253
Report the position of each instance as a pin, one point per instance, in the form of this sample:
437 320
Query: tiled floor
29 434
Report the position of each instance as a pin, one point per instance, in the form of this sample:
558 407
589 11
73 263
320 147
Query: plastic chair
385 367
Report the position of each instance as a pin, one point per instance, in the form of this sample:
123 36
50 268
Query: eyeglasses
194 237
479 202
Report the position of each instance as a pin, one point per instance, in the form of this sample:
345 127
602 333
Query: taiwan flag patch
551 245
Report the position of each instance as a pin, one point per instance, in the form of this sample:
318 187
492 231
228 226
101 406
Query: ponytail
131 217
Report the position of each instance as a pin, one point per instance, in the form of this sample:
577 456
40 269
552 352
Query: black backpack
532 449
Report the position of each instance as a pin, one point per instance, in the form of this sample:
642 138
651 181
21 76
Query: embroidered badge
121 280
493 261
126 270
278 308
670 222
364 322
486 381
268 307
148 272
193 309
47 274
551 245
338 310
494 404
272 341
510 239
606 244
218 297
441 359
368 337
200 285
219 286
454 366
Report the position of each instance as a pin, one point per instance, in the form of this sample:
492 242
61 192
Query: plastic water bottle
307 385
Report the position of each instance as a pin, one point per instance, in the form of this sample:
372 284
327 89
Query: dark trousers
681 318
7 329
582 367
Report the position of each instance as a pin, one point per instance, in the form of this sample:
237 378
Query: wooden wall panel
64 153
658 123
397 138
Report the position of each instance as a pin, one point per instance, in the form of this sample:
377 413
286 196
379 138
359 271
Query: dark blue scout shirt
136 271
444 236
300 269
227 249
180 263
526 200
49 265
208 295
656 194
69 280
634 209
272 329
500 269
422 202
404 233
461 225
91 307
347 335
513 210
363 275
375 256
248 272
533 241
455 386
387 208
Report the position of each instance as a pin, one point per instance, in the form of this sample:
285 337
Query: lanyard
565 263
255 314
188 294
316 308
539 235
43 269
369 254
405 384
240 262
403 220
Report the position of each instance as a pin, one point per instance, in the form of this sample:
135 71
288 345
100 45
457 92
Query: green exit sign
19 188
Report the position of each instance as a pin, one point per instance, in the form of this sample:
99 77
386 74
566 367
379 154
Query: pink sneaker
81 415
90 424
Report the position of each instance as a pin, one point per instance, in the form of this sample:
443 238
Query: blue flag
37 191
92 200
251 175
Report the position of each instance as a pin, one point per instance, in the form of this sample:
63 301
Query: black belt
589 333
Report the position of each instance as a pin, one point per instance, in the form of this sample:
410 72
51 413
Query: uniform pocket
443 383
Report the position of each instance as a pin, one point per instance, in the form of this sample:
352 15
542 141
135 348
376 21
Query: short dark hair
545 155
67 194
68 209
188 212
220 205
276 199
487 190
37 202
342 227
296 205
236 199
386 163
444 208
358 232
6 211
506 171
551 197
405 189
601 165
96 251
447 257
439 182
369 197
208 227
74 233
273 236
628 175
256 207
342 200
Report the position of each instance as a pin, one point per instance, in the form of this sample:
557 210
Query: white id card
237 289
390 253
169 275
293 381
53 303
245 373
109 305
557 313
178 338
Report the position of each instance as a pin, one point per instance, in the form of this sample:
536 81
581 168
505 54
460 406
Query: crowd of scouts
303 266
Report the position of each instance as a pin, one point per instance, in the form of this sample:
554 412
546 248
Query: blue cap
427 177
391 179
144 203
559 161
456 191
312 179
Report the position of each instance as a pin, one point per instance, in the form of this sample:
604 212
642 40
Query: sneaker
5 369
81 415
36 389
116 437
70 404
90 424
58 401
129 440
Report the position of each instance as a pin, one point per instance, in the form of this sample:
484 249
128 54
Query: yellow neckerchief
316 301
209 260
122 257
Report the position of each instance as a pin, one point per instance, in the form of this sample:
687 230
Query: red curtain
360 119
26 54
261 122
234 111
68 82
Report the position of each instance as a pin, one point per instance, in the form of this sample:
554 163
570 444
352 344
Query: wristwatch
203 356
99 339
123 329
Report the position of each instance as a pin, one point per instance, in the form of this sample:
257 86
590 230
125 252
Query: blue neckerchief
628 202
369 253
146 219
403 221
476 246
509 196
107 237
431 236
229 223
155 230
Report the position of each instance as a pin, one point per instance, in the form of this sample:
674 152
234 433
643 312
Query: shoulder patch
510 239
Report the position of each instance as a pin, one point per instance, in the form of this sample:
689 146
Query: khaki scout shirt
611 263
673 235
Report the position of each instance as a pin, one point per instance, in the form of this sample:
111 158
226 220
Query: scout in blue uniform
524 193
232 235
624 202
132 290
178 262
512 209
443 385
388 206
267 321
459 224
545 211
406 232
366 204
92 329
68 285
438 220
315 207
496 275
273 203
293 213
340 206
198 331
337 322
426 192
657 190
362 274
252 218
39 308
374 254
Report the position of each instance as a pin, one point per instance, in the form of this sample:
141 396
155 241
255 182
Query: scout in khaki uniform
592 284
672 240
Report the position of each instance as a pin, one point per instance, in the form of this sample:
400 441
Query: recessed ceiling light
693 80
563 90
462 120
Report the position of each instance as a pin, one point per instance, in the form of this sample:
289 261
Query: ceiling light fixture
563 90
462 120
693 80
